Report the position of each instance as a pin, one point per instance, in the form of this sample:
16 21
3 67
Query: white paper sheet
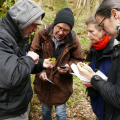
76 72
99 73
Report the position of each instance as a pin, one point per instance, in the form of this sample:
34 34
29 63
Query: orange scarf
102 44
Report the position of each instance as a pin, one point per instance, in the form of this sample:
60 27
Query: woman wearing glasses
99 56
108 17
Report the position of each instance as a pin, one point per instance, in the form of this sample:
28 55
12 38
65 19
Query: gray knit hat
25 12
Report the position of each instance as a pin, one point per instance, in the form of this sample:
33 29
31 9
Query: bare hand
48 64
63 71
43 76
106 79
34 56
85 72
87 84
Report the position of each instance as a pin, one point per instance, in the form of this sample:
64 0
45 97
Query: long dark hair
106 6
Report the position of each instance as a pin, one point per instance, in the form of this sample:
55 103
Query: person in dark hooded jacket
108 18
15 68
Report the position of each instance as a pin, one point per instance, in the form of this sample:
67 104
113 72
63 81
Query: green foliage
5 6
60 5
32 79
49 18
52 60
49 7
1 3
78 87
2 15
84 41
8 3
69 102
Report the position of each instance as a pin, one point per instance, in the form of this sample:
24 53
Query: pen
85 68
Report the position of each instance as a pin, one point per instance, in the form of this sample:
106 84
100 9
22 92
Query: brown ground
78 107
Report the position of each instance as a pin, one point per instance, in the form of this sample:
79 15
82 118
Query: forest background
78 105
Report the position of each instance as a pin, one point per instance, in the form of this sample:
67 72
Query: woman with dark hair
108 18
99 57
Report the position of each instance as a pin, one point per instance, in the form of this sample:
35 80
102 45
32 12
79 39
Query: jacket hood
25 12
12 27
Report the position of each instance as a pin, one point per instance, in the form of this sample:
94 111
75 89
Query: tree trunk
88 5
40 3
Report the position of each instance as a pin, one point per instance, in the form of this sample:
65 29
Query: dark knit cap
65 16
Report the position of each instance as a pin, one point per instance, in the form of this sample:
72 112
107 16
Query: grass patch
52 9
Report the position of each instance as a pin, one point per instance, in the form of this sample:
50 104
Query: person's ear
115 14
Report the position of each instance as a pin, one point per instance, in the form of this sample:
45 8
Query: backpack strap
74 34
45 27
42 41
50 28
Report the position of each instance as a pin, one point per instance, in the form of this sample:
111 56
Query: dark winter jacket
110 90
66 53
15 70
99 60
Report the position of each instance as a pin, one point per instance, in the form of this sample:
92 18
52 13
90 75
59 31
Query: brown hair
92 19
106 6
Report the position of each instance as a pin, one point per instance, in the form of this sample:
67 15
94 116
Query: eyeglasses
65 31
104 19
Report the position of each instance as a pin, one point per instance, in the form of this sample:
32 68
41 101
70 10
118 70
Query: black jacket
15 70
110 90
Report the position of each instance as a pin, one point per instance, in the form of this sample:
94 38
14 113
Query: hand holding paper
43 76
101 75
49 81
84 72
76 72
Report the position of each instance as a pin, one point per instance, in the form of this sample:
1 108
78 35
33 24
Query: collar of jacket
12 27
118 31
107 49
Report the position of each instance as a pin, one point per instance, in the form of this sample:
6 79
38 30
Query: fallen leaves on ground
77 107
